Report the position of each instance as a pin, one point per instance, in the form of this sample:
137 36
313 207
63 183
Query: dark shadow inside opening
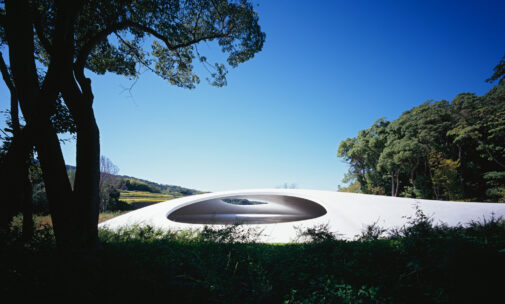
248 209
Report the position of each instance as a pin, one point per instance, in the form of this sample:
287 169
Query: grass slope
139 199
143 196
139 193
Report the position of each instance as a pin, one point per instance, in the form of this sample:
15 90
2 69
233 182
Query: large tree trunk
68 215
79 99
87 175
58 189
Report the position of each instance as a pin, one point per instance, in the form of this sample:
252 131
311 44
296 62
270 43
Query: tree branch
165 39
88 46
93 41
132 49
40 34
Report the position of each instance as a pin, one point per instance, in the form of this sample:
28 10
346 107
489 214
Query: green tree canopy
439 149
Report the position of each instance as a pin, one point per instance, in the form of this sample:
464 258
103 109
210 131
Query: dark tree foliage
499 71
438 150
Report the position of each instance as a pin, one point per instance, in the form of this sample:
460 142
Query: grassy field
42 221
143 197
102 217
137 199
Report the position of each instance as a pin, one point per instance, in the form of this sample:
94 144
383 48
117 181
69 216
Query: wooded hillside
450 150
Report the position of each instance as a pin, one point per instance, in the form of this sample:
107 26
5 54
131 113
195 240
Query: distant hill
125 192
138 193
138 184
130 183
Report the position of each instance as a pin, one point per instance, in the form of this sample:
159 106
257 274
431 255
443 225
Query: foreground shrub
371 232
316 234
418 263
327 290
230 234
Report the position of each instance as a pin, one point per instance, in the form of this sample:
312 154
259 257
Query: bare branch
6 135
134 52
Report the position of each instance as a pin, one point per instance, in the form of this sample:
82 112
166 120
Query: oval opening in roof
248 209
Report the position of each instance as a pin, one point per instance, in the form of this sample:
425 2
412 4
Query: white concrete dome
280 212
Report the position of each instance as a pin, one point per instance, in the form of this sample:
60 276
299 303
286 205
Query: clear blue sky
328 69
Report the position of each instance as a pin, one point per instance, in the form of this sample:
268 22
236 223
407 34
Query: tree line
448 150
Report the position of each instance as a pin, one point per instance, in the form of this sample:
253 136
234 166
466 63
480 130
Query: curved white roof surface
280 211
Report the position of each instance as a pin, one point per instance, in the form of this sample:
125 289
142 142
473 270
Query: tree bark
412 174
79 99
87 175
397 183
392 183
74 215
460 168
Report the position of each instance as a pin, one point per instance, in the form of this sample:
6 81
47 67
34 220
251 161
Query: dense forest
448 150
